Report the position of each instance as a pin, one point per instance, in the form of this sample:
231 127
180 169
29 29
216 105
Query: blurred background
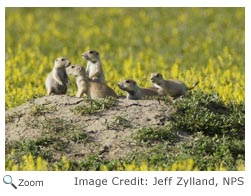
189 44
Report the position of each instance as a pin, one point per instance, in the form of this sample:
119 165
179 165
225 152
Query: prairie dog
92 89
94 69
56 81
173 88
134 91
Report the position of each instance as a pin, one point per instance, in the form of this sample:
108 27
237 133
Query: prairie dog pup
56 81
94 69
92 89
174 88
134 91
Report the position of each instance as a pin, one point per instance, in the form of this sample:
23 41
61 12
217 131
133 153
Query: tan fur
173 88
92 89
94 69
134 91
56 81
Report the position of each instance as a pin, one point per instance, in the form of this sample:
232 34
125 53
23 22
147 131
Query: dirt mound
77 127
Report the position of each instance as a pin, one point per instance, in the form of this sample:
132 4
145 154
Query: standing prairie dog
134 91
92 89
173 88
56 81
94 69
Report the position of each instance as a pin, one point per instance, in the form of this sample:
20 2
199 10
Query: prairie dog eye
94 52
72 66
127 81
62 59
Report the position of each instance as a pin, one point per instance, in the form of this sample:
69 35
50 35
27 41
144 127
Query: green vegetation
92 106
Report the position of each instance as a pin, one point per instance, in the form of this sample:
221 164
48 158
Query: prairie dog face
62 62
91 55
128 85
76 70
156 78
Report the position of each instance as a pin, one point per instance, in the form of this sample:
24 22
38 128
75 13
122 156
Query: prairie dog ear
159 75
133 82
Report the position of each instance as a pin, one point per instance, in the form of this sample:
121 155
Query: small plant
92 106
41 109
10 118
91 162
50 125
118 123
153 135
78 136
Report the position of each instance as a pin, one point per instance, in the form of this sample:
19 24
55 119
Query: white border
127 3
2 88
247 86
62 182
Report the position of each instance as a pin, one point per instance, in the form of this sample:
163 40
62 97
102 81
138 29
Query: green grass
92 106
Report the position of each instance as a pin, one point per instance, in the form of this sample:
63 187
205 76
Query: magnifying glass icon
7 179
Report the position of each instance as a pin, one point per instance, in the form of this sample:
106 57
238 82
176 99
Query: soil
109 131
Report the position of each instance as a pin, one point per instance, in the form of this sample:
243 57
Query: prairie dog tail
194 85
